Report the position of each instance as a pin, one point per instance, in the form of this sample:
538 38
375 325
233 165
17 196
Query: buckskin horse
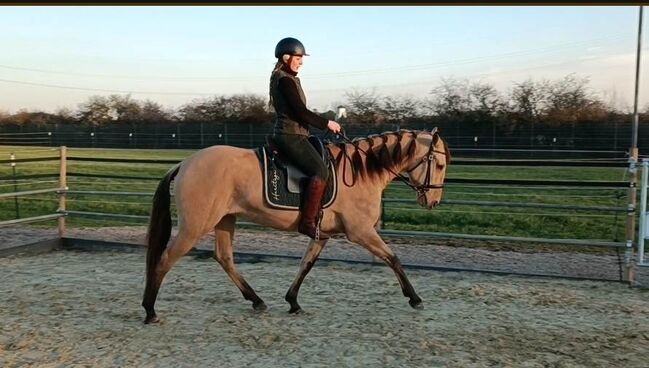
217 184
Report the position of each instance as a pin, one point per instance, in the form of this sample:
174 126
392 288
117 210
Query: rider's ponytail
274 77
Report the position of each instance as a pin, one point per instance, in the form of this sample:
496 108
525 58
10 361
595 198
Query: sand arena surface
69 308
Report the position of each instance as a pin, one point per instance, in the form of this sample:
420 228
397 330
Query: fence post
629 265
63 184
13 173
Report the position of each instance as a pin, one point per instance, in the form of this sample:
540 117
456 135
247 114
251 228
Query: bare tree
485 99
399 109
247 108
4 115
364 106
151 111
530 99
571 100
96 111
65 114
210 109
450 97
123 108
100 110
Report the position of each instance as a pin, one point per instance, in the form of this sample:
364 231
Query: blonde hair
273 77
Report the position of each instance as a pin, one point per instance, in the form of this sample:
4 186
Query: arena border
39 247
90 245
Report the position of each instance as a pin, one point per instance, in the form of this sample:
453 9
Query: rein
420 189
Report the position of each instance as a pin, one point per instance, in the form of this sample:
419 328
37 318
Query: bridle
429 158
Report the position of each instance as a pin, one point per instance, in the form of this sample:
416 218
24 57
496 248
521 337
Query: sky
54 57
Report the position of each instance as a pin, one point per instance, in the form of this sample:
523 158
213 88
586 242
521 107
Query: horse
218 184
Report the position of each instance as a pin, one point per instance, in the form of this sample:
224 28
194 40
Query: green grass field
525 222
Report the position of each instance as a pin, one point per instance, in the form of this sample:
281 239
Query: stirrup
317 234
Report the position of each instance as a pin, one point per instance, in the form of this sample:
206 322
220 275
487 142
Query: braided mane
381 155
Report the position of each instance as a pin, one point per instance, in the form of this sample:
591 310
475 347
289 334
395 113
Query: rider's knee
323 173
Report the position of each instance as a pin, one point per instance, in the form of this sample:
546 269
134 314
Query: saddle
283 181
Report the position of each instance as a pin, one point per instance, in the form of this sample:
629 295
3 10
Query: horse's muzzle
423 201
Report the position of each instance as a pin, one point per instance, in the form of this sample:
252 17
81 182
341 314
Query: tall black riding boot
312 206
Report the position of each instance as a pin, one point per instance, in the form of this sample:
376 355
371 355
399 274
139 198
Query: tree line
560 102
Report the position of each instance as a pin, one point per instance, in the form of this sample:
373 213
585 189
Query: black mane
379 155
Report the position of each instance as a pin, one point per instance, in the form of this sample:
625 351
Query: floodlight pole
637 86
629 272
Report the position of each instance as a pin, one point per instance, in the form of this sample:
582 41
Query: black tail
160 223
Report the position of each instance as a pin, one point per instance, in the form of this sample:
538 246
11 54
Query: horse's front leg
370 240
308 259
224 232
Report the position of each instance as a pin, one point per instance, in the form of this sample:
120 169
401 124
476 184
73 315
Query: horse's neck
405 161
388 174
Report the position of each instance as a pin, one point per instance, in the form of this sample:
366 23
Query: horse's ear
435 130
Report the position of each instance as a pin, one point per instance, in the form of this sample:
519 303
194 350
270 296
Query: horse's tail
160 223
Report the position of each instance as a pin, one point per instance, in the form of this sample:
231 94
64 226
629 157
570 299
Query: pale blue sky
173 54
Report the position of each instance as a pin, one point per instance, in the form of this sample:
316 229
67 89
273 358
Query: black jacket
289 102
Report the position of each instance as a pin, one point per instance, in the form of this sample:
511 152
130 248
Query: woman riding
291 130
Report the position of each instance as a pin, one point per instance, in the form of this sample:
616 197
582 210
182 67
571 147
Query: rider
291 129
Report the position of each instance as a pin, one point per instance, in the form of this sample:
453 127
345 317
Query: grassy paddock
526 222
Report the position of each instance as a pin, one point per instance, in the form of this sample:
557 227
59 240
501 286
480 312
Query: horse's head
428 168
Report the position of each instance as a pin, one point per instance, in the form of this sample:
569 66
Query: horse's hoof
295 310
416 304
151 319
259 306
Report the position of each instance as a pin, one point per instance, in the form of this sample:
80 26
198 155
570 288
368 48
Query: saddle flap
295 176
319 147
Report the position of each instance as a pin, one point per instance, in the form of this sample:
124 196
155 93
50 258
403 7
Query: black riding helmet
291 46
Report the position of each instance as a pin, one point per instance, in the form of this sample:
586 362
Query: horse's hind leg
178 247
371 241
223 254
308 259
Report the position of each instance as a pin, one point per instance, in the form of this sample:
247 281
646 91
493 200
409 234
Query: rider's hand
333 126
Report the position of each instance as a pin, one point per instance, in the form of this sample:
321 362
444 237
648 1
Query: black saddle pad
276 184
